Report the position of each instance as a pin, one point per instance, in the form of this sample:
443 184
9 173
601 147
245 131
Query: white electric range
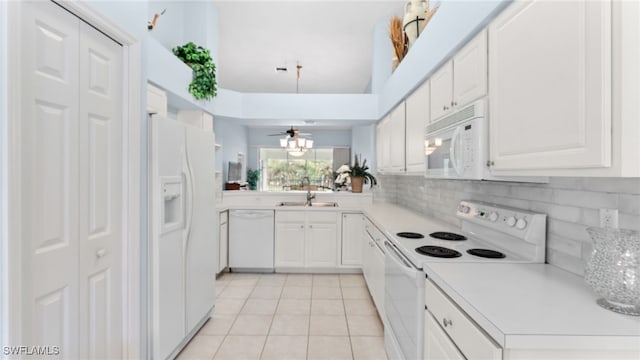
488 233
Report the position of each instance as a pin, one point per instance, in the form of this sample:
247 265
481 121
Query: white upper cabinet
550 86
442 91
156 101
396 145
470 71
461 80
417 117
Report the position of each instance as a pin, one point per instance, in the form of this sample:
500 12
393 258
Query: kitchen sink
302 203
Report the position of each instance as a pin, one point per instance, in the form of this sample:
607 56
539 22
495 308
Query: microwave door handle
455 139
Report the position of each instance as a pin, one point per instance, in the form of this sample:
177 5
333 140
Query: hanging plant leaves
204 85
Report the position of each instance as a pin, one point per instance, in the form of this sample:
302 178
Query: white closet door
100 195
49 186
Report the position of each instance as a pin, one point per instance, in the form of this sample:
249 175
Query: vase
414 15
613 269
356 184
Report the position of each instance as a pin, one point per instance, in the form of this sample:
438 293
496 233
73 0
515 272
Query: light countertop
535 306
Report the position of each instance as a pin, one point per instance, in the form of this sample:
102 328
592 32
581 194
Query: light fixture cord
298 67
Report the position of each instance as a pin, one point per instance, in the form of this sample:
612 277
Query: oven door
404 305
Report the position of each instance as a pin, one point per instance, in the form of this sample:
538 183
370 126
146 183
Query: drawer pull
446 322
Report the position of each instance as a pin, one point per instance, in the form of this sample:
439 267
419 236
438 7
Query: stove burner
486 253
410 235
438 251
447 236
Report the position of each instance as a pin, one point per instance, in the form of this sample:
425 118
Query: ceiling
331 40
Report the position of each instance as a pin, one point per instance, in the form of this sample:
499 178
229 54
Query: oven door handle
408 269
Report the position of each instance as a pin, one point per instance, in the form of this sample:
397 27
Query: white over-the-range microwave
457 147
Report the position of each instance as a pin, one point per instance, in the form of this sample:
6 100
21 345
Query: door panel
101 195
167 261
470 71
441 91
552 84
201 243
49 188
322 245
290 244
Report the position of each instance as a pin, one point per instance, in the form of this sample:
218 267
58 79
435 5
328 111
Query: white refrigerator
184 229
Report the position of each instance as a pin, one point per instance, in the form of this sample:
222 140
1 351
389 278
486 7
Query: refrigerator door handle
186 170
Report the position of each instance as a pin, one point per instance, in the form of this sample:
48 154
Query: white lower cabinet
373 265
456 328
437 344
306 239
352 227
223 255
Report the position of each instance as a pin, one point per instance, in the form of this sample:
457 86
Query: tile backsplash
572 205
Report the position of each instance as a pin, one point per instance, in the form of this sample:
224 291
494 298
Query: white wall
363 144
170 28
382 53
233 138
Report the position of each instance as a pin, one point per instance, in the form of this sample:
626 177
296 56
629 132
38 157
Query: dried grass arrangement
428 14
398 40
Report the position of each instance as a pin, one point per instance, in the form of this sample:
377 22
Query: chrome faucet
310 196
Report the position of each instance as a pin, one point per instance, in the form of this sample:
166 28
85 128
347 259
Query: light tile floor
290 316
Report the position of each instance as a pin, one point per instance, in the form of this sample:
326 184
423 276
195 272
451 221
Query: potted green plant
360 174
252 178
204 85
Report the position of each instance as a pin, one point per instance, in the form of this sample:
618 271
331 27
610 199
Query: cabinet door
385 144
470 71
224 242
396 145
290 244
417 111
441 91
550 85
352 239
321 245
437 344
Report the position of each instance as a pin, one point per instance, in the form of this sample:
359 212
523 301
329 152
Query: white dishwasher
251 241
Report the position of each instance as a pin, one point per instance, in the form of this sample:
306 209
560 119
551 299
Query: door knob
101 253
446 322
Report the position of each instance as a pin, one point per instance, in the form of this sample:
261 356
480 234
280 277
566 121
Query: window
283 172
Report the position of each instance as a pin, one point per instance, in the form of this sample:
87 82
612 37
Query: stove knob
521 224
464 209
493 216
511 221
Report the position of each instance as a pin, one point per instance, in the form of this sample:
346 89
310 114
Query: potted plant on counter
252 178
360 174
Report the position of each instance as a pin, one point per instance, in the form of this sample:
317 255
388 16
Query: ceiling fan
291 133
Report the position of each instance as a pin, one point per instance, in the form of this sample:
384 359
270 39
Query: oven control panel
505 219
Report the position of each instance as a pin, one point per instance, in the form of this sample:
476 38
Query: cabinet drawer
323 217
467 336
290 216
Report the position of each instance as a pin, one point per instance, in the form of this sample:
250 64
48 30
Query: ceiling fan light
292 144
309 144
283 142
301 142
